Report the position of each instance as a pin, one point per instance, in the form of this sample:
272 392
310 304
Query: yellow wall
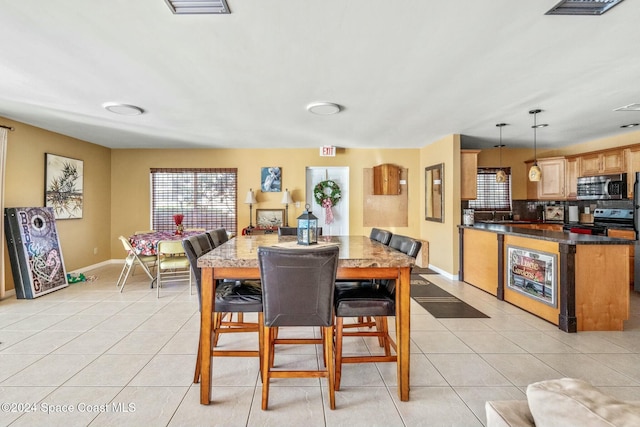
130 181
116 185
443 236
511 157
24 187
515 158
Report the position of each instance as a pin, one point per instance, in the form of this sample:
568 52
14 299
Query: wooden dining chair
230 298
374 299
173 264
297 290
384 237
132 259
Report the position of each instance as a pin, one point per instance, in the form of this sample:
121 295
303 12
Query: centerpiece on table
177 218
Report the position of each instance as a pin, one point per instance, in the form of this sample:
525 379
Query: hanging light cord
535 128
500 147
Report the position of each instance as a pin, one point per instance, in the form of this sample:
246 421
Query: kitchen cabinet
552 184
572 171
603 162
632 158
629 235
386 180
469 174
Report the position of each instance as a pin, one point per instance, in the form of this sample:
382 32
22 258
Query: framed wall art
269 218
271 179
533 273
64 191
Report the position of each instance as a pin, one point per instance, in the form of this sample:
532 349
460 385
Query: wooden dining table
360 258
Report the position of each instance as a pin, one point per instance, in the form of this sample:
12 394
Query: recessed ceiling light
123 109
630 125
324 108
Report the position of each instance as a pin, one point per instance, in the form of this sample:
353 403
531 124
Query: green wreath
320 193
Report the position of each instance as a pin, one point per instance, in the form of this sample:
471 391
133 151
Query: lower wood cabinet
629 235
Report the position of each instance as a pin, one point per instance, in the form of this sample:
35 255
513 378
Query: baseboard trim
444 273
94 266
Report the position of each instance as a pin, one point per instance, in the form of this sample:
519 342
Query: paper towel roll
573 214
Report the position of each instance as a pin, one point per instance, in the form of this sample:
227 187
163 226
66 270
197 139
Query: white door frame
339 174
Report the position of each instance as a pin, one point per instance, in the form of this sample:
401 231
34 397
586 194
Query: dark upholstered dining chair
217 236
297 290
230 297
382 236
371 299
293 231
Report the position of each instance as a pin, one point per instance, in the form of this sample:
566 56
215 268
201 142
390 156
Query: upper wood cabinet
469 174
386 180
632 159
572 171
604 162
552 184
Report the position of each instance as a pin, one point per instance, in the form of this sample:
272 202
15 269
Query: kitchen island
576 281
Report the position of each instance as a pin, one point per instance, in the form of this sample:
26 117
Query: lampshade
286 198
251 198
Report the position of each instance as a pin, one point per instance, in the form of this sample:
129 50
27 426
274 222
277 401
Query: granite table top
355 252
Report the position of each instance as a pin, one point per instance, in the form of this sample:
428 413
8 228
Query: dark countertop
553 236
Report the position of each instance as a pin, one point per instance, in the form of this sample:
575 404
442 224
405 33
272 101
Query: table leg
205 335
403 328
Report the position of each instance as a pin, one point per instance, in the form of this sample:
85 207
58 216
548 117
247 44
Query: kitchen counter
579 282
553 236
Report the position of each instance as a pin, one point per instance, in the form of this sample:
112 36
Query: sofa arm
508 413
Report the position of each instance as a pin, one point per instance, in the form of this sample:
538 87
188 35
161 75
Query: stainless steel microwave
603 187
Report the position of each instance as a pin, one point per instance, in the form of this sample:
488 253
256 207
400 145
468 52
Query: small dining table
360 258
147 243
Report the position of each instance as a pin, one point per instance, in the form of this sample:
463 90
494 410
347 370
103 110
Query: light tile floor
89 355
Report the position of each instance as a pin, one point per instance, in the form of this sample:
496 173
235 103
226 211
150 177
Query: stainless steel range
603 219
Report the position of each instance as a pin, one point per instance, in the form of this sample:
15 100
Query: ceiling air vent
582 7
630 107
198 6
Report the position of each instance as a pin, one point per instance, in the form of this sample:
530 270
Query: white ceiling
407 72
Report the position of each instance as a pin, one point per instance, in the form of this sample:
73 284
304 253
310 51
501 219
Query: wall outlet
297 204
95 251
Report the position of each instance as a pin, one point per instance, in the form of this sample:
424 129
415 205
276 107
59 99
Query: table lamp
250 200
286 199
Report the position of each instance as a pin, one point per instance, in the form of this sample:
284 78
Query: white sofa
563 402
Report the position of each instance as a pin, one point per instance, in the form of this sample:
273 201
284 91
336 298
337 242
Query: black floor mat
420 270
440 303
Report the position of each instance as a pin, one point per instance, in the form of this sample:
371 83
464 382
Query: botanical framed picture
269 218
64 191
271 179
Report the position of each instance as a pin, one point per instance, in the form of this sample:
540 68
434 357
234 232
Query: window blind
206 197
492 195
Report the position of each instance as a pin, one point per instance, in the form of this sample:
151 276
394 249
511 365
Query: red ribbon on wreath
328 214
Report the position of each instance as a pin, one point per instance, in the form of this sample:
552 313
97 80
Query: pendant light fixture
500 175
535 174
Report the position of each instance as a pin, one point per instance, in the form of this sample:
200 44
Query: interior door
340 224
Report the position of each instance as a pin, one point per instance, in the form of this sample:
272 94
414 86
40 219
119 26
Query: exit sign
327 151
